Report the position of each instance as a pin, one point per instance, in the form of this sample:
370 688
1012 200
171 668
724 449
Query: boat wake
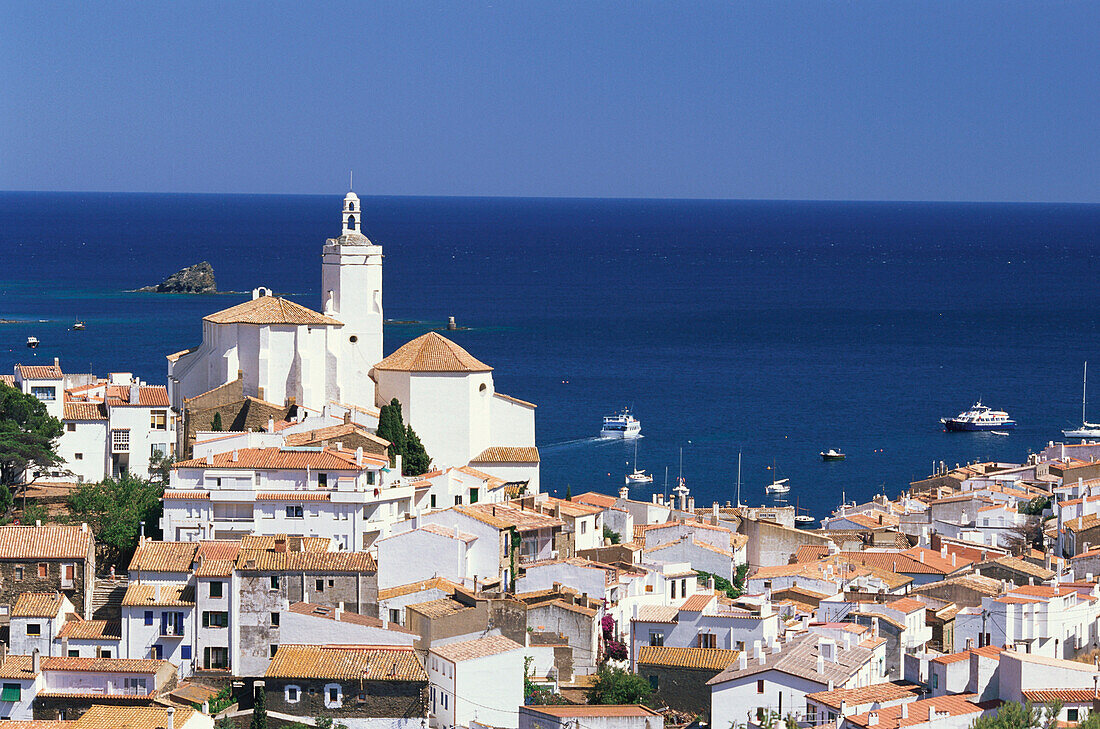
578 443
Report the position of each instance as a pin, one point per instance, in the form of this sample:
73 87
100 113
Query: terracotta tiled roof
507 454
176 355
131 717
713 659
440 608
284 459
8 380
255 560
295 544
432 352
1048 696
601 500
22 667
506 515
327 612
37 605
295 496
799 658
44 542
40 724
270 310
906 605
989 651
40 372
440 530
880 692
156 556
1083 523
593 710
84 411
138 595
149 396
333 432
187 494
516 400
480 648
658 614
353 663
91 630
491 482
917 711
810 552
697 602
436 583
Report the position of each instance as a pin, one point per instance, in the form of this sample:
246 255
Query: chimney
236 455
171 720
905 711
943 549
922 556
359 456
397 464
57 362
872 719
135 394
271 425
280 546
931 712
763 656
36 661
339 445
339 610
347 417
954 559
743 661
210 459
260 392
820 664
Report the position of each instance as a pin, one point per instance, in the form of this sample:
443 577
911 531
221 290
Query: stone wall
10 587
682 689
361 699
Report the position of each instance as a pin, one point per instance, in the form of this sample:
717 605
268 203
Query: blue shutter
179 623
164 618
148 617
185 652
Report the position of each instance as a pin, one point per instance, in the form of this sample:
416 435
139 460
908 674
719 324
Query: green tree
160 467
391 428
415 460
1022 716
6 500
216 423
614 536
616 686
259 711
568 492
327 722
28 435
224 722
1036 506
114 509
33 513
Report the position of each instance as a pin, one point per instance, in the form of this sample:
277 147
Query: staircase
107 597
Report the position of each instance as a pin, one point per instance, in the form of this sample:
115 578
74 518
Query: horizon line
902 201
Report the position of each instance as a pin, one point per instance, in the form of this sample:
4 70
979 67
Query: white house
449 399
1054 621
605 716
285 350
401 556
476 680
346 496
455 486
944 712
36 620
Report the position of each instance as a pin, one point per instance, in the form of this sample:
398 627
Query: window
684 587
43 569
473 496
433 501
322 480
34 629
215 619
46 394
672 587
760 686
294 512
171 623
935 680
707 640
215 658
458 500
654 682
158 420
293 694
158 449
274 582
135 685
584 526
120 441
395 616
656 637
11 692
334 697
185 652
148 617
274 620
71 427
79 456
274 648
18 573
106 653
74 653
1071 714
443 698
216 589
157 652
372 478
320 585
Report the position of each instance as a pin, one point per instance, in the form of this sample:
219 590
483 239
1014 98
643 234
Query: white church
285 351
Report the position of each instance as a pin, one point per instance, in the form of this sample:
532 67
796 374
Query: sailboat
639 476
1087 429
779 485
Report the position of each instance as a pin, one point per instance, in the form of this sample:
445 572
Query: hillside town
314 563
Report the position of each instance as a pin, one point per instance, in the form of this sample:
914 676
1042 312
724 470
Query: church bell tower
351 290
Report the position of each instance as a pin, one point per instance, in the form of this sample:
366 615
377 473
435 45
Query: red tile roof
149 396
84 411
278 458
432 352
507 454
44 542
697 602
40 372
270 310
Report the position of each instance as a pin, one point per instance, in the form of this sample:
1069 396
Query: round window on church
353 339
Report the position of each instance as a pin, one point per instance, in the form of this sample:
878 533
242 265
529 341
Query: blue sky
791 100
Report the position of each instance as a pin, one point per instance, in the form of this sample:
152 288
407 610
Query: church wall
439 409
512 424
480 394
249 345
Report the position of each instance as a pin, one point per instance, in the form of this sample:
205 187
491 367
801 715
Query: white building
344 495
449 399
615 716
476 680
285 350
1053 621
36 620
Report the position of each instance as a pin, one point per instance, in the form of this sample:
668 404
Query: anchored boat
979 417
1087 429
623 425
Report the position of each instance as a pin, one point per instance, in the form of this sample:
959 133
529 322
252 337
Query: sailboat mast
1084 392
738 478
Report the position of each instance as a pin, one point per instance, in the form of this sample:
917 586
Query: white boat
1087 429
623 425
638 476
803 519
979 417
32 342
778 487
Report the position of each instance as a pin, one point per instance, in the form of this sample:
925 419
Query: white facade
1046 621
346 496
479 680
708 627
401 557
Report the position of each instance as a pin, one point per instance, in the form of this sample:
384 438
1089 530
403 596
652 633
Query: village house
1053 621
476 680
455 486
604 716
678 676
970 671
570 615
945 712
356 685
824 707
52 558
36 620
393 600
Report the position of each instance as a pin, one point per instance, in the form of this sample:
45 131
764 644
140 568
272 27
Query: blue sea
773 329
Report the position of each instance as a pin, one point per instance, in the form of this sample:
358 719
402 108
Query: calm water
776 328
